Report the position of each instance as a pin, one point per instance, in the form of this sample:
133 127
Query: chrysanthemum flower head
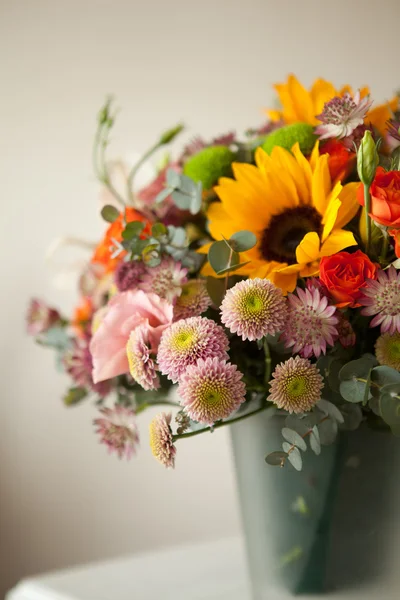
254 308
161 443
78 363
311 323
193 301
165 280
118 430
141 365
387 350
296 385
188 340
382 299
211 390
342 115
128 275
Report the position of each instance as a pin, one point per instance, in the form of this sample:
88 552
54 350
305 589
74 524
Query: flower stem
385 246
367 203
136 167
223 423
100 163
147 405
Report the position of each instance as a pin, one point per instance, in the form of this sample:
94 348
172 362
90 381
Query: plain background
210 63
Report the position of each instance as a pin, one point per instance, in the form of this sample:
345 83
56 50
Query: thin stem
136 167
222 423
100 163
385 246
146 405
267 375
367 203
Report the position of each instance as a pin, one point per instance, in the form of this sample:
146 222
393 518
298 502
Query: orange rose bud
345 274
385 198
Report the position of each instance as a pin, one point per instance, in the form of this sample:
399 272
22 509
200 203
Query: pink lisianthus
40 317
125 312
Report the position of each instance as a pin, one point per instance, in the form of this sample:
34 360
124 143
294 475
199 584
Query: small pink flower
125 312
79 365
193 301
165 280
342 115
382 299
161 440
118 430
40 317
141 365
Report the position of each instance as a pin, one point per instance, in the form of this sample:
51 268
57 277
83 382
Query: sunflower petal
350 205
321 184
330 217
338 240
322 91
308 249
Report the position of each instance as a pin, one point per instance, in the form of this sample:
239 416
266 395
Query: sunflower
292 207
301 105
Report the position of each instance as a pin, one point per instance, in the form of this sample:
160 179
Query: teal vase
330 527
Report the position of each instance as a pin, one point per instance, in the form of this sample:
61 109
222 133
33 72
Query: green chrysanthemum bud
287 136
208 165
367 159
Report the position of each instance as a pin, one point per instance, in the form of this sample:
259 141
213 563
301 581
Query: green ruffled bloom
208 165
287 136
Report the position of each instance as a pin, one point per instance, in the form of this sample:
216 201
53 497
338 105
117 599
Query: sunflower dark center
285 232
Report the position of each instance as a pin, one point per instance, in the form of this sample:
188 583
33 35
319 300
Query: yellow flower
292 207
301 105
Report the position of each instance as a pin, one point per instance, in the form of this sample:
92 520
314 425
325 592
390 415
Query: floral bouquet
255 273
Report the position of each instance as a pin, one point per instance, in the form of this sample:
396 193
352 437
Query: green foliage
352 416
109 213
186 193
216 290
354 377
287 136
276 459
223 255
241 241
294 456
208 165
291 436
169 135
75 395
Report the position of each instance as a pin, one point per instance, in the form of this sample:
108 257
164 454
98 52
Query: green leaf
173 179
331 410
294 456
294 438
276 459
233 267
297 424
353 391
151 255
383 376
315 443
163 195
220 256
158 230
109 213
389 405
242 241
352 415
328 432
357 368
216 290
132 229
74 395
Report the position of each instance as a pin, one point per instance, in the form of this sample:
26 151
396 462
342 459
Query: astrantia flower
40 317
311 323
128 275
394 129
117 429
296 385
382 299
141 366
193 301
253 309
165 280
292 207
342 115
79 365
188 340
161 443
211 390
387 350
347 336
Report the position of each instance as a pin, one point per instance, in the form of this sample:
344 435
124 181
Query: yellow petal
204 249
321 184
338 240
308 249
330 217
382 113
314 156
285 280
322 91
350 205
301 99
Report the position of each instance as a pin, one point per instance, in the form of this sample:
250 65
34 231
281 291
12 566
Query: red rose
344 276
385 198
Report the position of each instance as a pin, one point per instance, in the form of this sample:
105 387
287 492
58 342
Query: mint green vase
331 527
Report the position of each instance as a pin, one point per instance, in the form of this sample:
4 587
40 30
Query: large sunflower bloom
301 105
292 207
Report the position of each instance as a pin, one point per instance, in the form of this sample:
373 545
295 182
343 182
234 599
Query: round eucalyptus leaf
353 390
330 409
315 443
235 264
382 376
276 459
295 459
173 178
216 290
297 424
219 256
356 368
328 432
294 438
390 409
352 415
109 213
242 241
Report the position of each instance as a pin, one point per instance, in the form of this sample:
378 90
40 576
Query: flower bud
170 135
367 159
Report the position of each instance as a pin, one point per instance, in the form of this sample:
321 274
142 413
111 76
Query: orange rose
385 198
341 161
103 254
344 276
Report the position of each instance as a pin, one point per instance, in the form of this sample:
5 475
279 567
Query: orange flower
104 251
345 274
82 316
340 162
385 198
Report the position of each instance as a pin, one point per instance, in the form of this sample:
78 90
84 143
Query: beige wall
210 63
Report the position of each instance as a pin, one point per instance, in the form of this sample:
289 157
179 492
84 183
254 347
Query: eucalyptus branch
306 434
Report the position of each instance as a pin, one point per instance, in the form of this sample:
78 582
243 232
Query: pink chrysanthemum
254 308
128 275
211 390
165 280
296 385
342 115
78 363
311 323
382 299
40 317
118 430
193 301
161 441
141 366
188 340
